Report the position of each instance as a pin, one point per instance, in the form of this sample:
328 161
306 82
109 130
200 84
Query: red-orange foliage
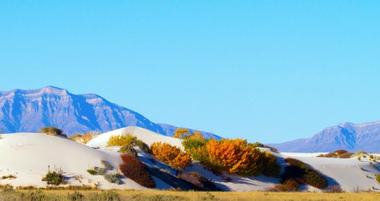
135 170
235 156
171 155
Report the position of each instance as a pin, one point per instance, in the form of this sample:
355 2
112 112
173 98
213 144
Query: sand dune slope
29 156
145 135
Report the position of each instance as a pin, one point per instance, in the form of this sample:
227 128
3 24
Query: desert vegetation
127 142
106 172
83 138
337 154
10 194
53 131
170 155
55 178
135 170
302 173
234 156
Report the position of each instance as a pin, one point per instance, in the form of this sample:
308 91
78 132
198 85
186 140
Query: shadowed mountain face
30 110
348 136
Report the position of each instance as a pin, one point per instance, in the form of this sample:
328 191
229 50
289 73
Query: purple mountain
348 136
30 110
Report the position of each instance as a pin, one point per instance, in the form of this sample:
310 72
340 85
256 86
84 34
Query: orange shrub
235 156
171 155
135 170
181 132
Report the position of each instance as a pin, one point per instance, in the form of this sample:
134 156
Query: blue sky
266 70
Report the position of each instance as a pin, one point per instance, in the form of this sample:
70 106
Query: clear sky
265 70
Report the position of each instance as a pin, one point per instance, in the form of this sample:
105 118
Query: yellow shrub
235 156
171 155
121 140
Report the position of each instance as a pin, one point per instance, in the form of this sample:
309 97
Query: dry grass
154 195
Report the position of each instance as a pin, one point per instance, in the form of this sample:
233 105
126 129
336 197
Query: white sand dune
145 135
351 174
28 157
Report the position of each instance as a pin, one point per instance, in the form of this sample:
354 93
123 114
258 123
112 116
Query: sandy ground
351 174
29 156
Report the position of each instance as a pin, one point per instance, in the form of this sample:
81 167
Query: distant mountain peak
348 136
29 110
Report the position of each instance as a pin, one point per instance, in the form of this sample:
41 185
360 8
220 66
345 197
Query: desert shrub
235 156
97 171
303 174
113 178
181 133
144 147
107 165
171 155
54 178
135 170
195 178
337 154
76 196
128 149
257 144
104 196
193 143
8 177
92 172
377 178
127 141
271 166
121 140
53 131
289 185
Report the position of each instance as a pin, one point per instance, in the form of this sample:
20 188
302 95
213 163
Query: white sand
28 156
145 135
351 174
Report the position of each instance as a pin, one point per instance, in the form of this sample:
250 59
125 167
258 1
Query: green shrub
107 165
92 172
97 171
271 166
54 178
303 174
128 149
127 141
144 147
113 178
377 178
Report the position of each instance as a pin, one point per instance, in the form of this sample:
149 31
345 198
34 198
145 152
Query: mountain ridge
29 110
348 136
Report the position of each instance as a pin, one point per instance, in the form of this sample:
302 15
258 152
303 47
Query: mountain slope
30 110
348 136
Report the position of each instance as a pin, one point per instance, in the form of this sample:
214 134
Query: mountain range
31 110
347 136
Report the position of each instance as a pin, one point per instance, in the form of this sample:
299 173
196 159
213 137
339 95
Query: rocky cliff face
30 110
